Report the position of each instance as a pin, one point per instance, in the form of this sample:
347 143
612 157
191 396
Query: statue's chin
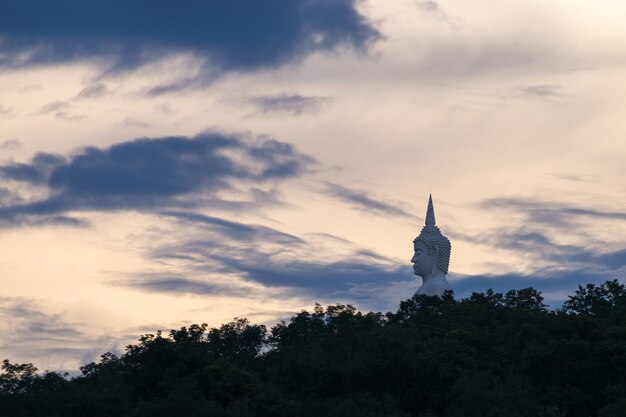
434 285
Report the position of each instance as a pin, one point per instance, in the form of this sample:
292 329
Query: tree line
487 355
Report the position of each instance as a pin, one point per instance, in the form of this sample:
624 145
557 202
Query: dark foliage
491 354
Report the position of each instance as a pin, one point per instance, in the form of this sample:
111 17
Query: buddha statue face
422 259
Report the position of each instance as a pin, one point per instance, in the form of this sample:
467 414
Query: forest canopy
490 354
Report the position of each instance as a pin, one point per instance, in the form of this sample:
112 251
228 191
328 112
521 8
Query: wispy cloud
550 212
30 331
134 122
11 144
288 104
535 245
208 250
551 266
54 106
363 201
173 284
435 10
546 91
93 90
4 110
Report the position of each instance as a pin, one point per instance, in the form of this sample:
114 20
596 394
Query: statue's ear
435 260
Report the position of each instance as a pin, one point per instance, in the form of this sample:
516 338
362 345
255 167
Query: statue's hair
436 243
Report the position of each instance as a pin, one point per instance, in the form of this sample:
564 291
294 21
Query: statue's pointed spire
430 214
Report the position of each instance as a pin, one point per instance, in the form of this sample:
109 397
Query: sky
163 163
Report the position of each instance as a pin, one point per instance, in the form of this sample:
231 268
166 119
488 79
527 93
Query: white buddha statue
431 256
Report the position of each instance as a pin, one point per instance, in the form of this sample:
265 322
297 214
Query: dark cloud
318 277
150 174
5 193
21 172
36 171
361 200
238 35
290 104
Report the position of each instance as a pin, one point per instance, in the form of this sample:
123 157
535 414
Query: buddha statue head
431 256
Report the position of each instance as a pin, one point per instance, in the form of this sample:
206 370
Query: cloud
364 202
230 256
536 245
573 178
366 280
29 331
434 9
11 144
4 194
68 117
290 104
428 5
37 171
95 90
548 212
235 230
4 110
541 91
196 81
208 250
21 172
237 35
318 277
555 285
150 174
178 284
54 106
43 221
542 218
133 122
551 266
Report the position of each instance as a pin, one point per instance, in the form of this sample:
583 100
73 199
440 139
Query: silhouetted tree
490 354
